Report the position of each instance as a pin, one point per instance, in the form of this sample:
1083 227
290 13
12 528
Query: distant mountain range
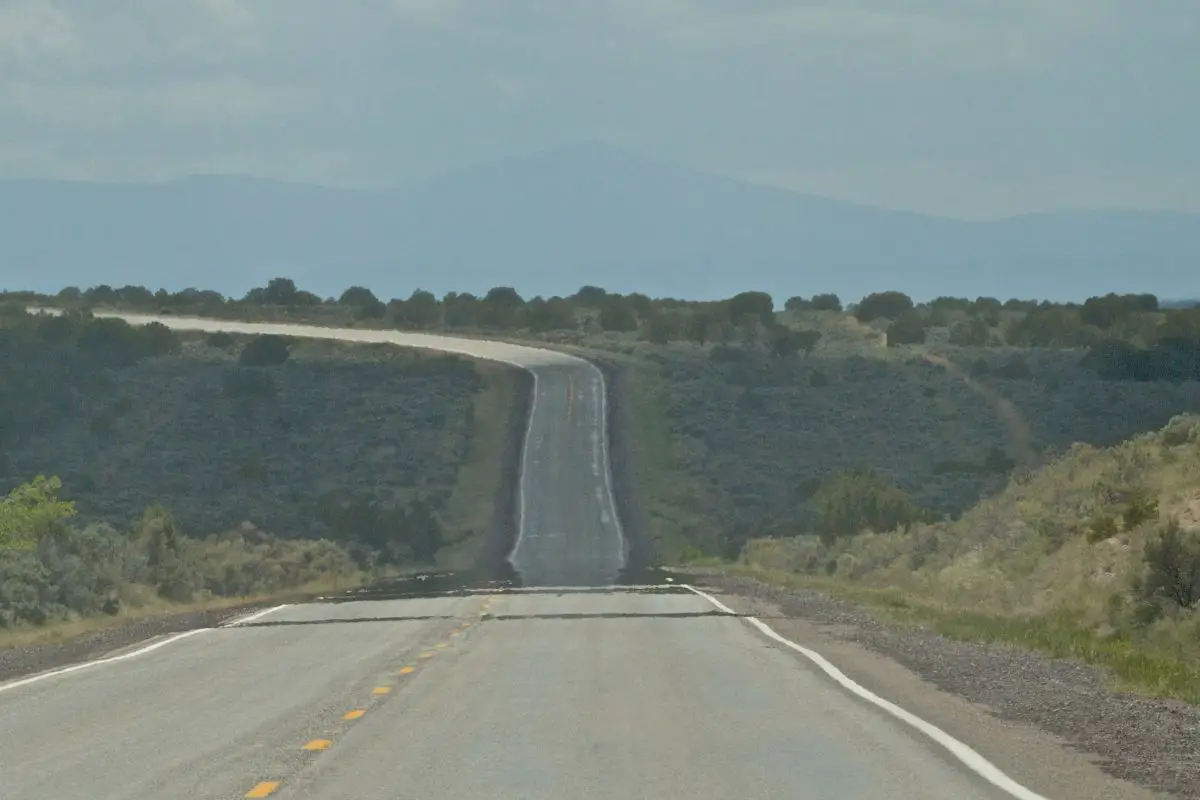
570 216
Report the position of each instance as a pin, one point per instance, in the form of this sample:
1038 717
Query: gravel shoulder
17 662
1051 724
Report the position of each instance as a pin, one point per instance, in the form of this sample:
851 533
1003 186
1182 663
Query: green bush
908 328
1171 577
860 500
1102 526
267 350
826 302
973 332
888 305
1140 506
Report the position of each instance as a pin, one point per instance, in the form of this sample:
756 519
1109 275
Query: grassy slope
469 508
462 460
1017 567
1025 567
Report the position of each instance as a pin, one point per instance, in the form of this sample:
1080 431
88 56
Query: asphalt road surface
612 692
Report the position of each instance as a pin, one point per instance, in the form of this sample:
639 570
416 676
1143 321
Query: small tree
826 302
500 308
421 311
973 332
1172 568
861 500
555 314
908 328
617 314
786 343
889 305
30 511
364 302
757 304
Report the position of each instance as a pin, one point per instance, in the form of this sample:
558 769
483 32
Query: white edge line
967 756
89 664
512 555
612 503
254 616
150 648
385 338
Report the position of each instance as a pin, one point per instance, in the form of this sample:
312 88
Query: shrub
1171 574
1102 526
30 511
616 314
861 500
973 332
826 302
267 350
1140 506
219 340
889 305
908 328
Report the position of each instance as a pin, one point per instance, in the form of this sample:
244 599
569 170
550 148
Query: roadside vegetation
1008 470
1095 555
186 471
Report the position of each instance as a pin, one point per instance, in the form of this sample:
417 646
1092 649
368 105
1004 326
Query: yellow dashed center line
442 645
407 670
318 744
264 789
427 654
454 633
355 714
381 690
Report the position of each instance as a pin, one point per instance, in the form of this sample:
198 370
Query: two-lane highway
568 532
543 692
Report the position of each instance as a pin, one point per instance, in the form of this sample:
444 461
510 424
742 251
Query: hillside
321 462
554 221
758 436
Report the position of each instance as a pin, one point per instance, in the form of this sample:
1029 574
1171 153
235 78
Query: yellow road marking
442 645
454 633
427 654
381 690
264 789
407 670
355 714
318 744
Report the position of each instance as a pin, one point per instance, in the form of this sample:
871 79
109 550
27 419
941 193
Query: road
550 691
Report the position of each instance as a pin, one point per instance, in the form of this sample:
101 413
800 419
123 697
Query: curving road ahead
552 692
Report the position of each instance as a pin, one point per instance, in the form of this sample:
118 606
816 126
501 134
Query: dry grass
469 510
1026 567
151 607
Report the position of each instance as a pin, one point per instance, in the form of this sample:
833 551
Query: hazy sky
968 107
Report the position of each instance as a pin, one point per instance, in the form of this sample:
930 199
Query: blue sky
971 108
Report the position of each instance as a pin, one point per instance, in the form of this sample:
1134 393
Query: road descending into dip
569 687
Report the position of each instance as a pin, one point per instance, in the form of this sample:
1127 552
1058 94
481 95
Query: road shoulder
1030 755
